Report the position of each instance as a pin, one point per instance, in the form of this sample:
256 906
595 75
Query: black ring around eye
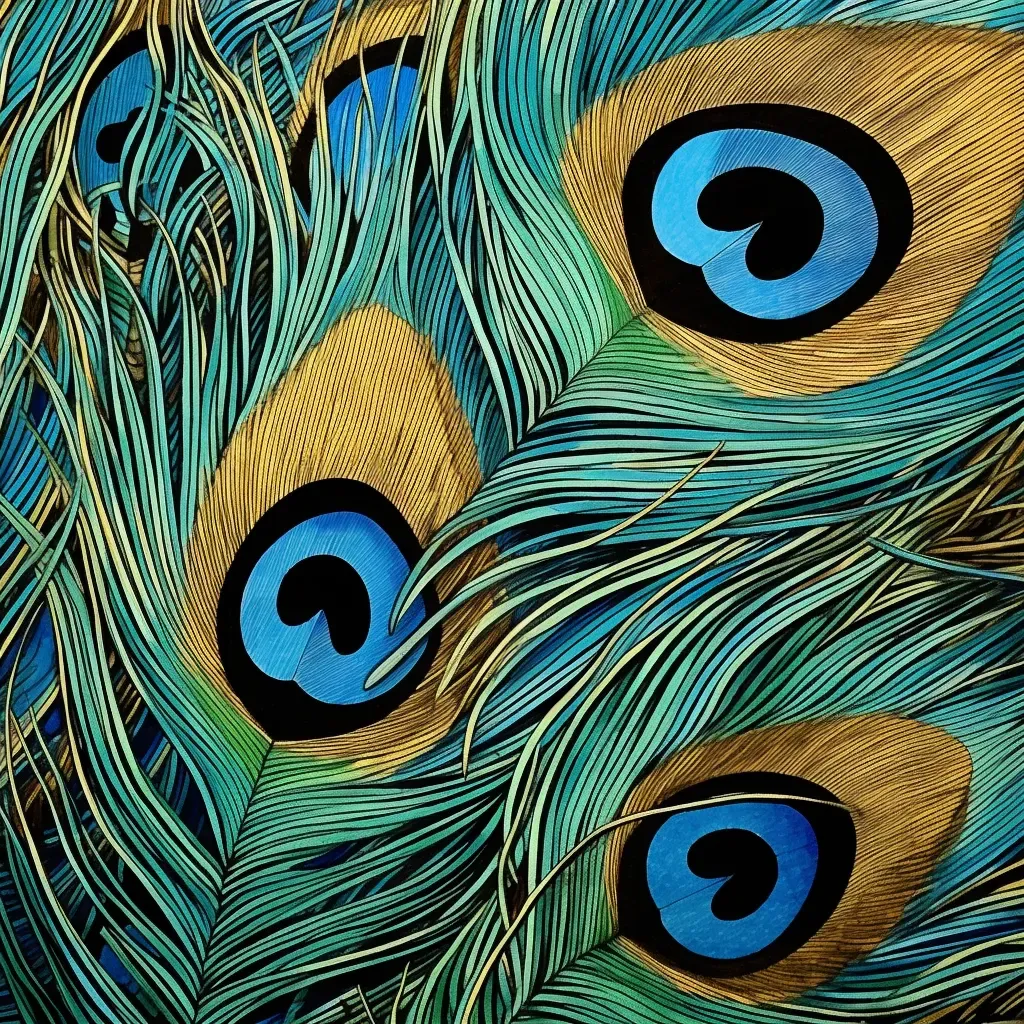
729 889
303 614
763 223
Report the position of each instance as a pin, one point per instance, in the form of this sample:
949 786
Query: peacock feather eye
799 209
370 103
763 222
363 92
783 853
729 888
108 138
303 617
119 92
323 502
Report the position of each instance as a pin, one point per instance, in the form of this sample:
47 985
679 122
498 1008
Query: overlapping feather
678 561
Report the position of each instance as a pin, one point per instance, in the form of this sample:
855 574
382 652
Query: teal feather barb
458 565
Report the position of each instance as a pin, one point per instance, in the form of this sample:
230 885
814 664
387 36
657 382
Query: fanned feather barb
511 511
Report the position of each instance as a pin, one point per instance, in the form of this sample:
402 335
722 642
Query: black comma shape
790 216
749 865
328 584
323 584
747 859
111 138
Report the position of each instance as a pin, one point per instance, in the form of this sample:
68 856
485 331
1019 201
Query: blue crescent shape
304 652
849 240
128 86
684 899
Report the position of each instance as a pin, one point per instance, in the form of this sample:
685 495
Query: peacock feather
511 511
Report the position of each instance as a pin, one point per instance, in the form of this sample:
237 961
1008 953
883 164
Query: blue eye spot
773 856
366 124
845 245
108 139
763 223
303 617
343 114
727 889
315 608
109 117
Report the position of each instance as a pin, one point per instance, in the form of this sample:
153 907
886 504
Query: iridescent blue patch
763 222
361 128
847 245
685 899
740 880
372 102
305 611
304 652
110 117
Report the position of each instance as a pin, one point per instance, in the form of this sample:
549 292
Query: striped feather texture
640 557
